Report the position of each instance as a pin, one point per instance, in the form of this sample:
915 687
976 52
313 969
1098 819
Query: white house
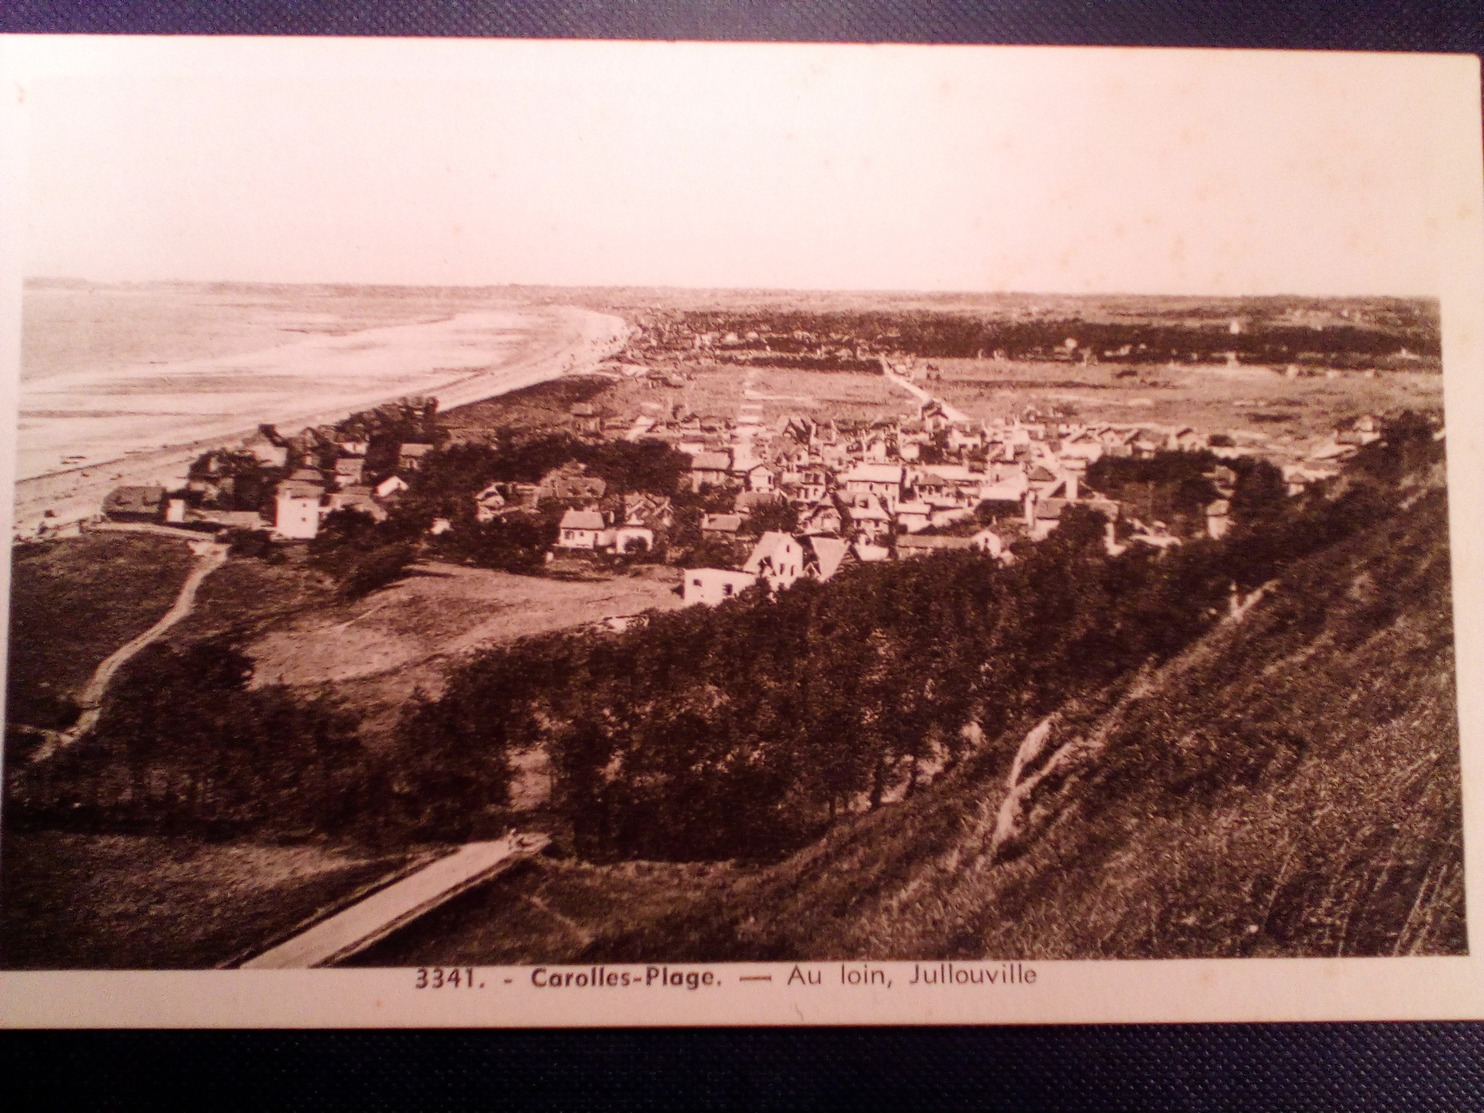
868 518
583 529
297 510
713 585
391 485
760 478
777 559
913 517
1218 518
882 480
991 543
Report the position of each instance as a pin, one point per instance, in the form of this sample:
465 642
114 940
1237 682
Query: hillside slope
1288 785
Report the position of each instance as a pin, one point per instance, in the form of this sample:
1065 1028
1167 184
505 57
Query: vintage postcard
530 533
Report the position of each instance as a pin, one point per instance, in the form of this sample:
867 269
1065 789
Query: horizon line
672 287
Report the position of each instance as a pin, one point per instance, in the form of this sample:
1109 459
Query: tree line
747 729
958 334
741 731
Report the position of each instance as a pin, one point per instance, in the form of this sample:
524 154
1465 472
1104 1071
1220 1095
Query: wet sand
95 424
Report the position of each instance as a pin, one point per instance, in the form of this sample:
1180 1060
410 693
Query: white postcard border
1163 990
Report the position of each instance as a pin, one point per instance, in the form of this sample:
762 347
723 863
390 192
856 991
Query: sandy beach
90 421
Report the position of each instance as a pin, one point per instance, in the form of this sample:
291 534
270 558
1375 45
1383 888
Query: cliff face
1288 785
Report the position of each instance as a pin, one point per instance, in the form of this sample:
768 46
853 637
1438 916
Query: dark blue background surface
1433 25
1305 1067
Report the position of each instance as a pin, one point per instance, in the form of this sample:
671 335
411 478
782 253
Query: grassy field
135 902
374 652
75 601
1215 399
710 389
723 389
544 407
246 594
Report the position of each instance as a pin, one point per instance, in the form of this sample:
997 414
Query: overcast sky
735 165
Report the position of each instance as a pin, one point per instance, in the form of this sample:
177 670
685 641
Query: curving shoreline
549 341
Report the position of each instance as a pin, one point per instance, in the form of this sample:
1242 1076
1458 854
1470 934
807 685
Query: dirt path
355 928
952 412
209 556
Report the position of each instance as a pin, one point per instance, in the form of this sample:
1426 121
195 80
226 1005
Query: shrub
377 569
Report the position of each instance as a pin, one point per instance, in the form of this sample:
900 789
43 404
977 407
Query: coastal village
802 497
702 599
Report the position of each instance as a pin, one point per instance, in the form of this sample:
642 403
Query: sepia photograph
888 515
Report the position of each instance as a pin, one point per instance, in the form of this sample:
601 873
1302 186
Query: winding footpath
209 556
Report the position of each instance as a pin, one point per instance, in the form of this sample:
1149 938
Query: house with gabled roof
878 448
962 436
759 477
824 556
822 519
913 517
349 470
584 529
884 481
1146 444
808 485
776 560
357 498
933 416
749 502
1185 438
647 509
267 447
724 526
411 455
390 487
585 418
800 429
869 519
1083 444
710 469
571 483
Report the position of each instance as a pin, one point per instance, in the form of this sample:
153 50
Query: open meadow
1262 401
375 652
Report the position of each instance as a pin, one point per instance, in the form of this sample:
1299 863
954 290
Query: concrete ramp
353 929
